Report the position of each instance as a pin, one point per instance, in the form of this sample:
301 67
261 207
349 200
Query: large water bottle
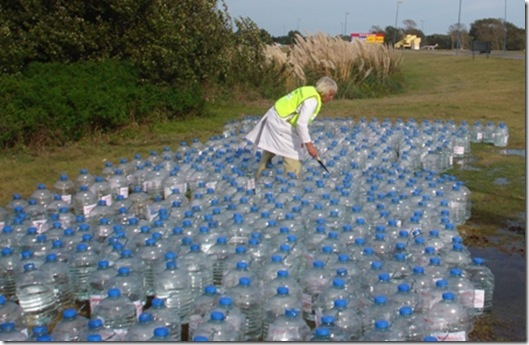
27 257
241 269
34 291
83 178
118 184
199 268
488 132
380 308
130 285
336 290
457 256
117 311
70 327
101 210
449 320
173 285
248 298
283 278
275 306
218 254
151 256
202 304
42 195
288 327
63 287
320 334
9 238
38 331
8 265
337 333
10 332
233 315
57 204
260 251
217 329
382 331
97 281
84 201
269 270
410 324
501 135
313 283
483 280
82 263
11 311
143 328
462 287
385 285
127 258
96 327
405 296
38 215
65 188
167 316
346 318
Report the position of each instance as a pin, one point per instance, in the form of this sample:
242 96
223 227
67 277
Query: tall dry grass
355 66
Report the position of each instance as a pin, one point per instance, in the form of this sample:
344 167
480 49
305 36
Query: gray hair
326 85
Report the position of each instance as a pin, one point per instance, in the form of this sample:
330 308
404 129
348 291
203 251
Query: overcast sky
278 17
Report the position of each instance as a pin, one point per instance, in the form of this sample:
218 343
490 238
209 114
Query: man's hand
311 149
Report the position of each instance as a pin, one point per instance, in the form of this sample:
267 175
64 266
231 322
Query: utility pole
345 25
505 28
458 45
396 18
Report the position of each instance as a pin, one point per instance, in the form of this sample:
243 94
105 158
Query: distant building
368 37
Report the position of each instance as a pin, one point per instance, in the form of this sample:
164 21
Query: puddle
513 152
464 163
501 181
508 314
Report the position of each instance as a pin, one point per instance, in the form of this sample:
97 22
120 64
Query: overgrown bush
53 103
172 42
360 69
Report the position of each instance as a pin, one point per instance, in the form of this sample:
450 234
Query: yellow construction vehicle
410 41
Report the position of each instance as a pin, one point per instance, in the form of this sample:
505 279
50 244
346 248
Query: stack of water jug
189 245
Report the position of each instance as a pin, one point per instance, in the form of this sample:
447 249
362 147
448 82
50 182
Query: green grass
438 86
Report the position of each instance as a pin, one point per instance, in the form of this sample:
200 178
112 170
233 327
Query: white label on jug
307 303
479 298
67 198
124 191
95 300
107 198
251 184
39 224
451 336
87 209
139 307
459 150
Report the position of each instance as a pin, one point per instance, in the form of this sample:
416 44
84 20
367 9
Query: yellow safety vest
287 106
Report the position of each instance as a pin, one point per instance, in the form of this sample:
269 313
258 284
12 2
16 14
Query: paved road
516 55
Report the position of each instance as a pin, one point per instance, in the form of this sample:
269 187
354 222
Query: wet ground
505 256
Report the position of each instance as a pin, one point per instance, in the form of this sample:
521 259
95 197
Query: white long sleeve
306 109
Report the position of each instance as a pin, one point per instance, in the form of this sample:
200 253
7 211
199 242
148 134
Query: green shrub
55 103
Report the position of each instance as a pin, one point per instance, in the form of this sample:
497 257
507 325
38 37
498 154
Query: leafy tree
489 29
493 31
171 41
459 36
